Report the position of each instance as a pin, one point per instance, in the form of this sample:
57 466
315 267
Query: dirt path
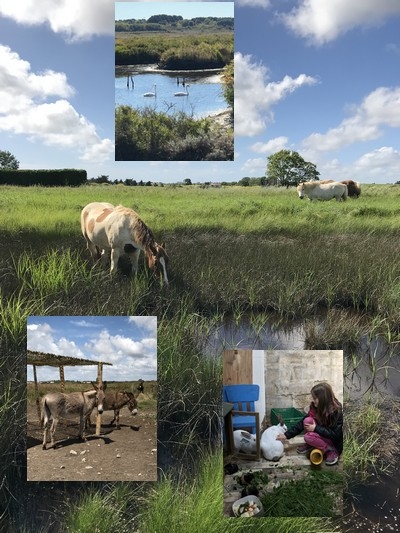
129 454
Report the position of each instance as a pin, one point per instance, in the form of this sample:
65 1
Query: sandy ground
129 454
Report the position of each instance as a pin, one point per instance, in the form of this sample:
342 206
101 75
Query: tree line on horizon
174 23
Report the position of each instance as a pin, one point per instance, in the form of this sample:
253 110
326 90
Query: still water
204 96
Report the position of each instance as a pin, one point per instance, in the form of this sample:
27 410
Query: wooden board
238 367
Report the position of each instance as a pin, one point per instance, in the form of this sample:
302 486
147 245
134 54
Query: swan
182 93
151 94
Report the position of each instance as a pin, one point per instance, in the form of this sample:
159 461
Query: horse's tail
345 193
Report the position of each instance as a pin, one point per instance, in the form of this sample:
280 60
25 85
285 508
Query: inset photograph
174 81
92 398
283 433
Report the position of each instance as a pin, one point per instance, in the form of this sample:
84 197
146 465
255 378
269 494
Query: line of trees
174 23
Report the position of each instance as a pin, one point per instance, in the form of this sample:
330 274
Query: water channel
204 88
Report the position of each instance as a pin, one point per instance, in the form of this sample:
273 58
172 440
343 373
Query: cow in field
316 190
118 230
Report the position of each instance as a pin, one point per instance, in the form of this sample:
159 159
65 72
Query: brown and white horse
120 230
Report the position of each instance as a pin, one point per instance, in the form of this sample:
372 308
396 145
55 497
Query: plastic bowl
237 506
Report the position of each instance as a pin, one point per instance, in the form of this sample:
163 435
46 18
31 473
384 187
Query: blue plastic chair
244 415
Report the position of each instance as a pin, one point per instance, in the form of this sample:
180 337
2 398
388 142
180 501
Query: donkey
114 401
120 230
57 404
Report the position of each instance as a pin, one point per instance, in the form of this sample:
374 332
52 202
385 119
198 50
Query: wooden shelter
47 359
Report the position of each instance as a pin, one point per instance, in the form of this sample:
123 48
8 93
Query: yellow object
316 456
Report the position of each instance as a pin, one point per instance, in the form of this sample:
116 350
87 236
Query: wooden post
99 384
36 392
62 380
62 388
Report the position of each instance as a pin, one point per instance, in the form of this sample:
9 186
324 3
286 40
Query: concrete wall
290 375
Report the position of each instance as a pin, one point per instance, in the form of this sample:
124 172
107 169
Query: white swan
151 94
182 93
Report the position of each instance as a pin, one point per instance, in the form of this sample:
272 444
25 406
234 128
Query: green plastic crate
290 416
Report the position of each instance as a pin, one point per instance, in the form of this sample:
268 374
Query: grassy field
233 251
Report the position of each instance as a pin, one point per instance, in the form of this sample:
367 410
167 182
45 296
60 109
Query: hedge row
48 178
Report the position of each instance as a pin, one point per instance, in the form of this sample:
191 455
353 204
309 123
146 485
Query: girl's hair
328 405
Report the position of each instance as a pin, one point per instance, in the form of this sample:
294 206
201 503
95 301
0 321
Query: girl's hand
310 427
281 437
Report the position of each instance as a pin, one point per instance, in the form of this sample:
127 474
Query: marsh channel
371 367
204 88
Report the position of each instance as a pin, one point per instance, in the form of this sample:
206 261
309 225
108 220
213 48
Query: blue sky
317 77
188 10
129 343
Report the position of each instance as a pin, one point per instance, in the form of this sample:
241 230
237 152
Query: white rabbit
244 441
271 448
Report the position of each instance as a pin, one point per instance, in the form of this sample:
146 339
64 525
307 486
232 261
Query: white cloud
40 338
380 165
76 19
147 322
255 97
254 3
254 168
119 348
271 146
378 109
25 111
321 22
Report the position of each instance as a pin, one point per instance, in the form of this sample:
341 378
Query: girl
323 425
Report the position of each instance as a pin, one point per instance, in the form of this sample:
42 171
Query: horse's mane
140 231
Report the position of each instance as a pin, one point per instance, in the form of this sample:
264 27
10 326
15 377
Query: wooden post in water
99 384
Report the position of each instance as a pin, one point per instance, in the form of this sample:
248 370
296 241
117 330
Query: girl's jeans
316 441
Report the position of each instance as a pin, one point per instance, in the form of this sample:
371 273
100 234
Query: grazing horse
353 187
56 405
114 401
322 191
120 230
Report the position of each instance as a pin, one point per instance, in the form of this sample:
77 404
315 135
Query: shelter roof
49 359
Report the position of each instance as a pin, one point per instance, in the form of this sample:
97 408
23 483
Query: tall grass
190 503
365 441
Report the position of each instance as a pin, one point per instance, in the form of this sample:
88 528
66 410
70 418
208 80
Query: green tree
187 181
7 160
288 168
244 182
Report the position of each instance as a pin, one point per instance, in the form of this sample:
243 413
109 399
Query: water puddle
246 336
